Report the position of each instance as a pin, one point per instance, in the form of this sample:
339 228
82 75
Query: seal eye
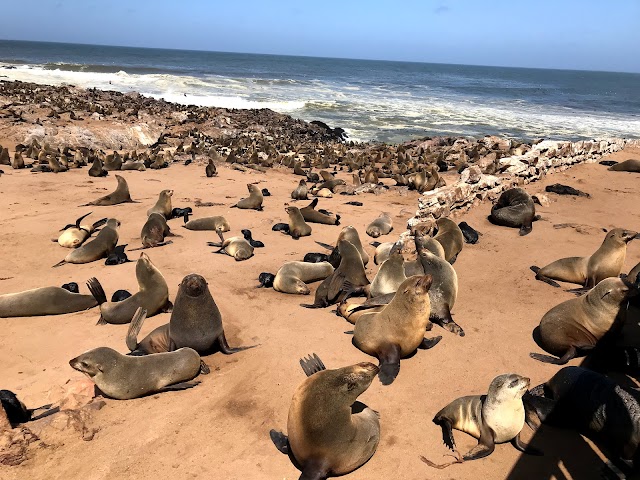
514 383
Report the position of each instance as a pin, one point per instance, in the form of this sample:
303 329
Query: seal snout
194 285
369 368
424 282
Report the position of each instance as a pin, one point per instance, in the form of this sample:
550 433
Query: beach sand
220 429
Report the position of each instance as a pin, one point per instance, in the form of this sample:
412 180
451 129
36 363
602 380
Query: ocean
372 100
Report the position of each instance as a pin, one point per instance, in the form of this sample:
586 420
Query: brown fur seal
236 247
44 301
450 237
515 208
631 165
293 276
121 195
131 165
330 433
253 201
574 327
350 234
497 417
210 169
380 226
428 243
153 295
163 205
125 377
310 214
397 330
297 226
349 274
606 262
217 223
633 274
195 322
100 247
154 230
301 192
73 236
389 277
351 313
382 251
97 169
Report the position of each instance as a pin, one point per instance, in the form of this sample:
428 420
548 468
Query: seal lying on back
121 195
44 301
207 223
73 236
153 295
310 214
100 247
574 327
515 208
592 404
497 417
606 262
330 433
253 201
294 276
380 226
125 377
631 165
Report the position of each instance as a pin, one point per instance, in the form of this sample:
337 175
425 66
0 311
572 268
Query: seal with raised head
350 234
120 195
97 169
515 209
574 327
301 192
380 226
44 301
397 330
293 277
310 214
100 247
124 377
297 226
329 432
153 295
210 170
450 237
74 235
631 165
236 247
163 205
497 417
217 223
253 201
606 262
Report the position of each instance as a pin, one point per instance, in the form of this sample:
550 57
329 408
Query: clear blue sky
572 34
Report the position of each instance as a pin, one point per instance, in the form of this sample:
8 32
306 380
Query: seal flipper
486 444
428 343
446 321
570 354
134 328
80 219
526 230
226 349
312 365
389 359
280 440
99 223
542 278
325 245
98 293
523 447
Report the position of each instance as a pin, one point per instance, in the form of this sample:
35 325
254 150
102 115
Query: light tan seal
163 205
380 226
217 223
330 433
350 234
297 226
497 417
574 327
389 277
74 235
606 262
301 192
253 201
398 330
236 247
293 277
125 377
44 301
120 195
100 247
450 237
153 295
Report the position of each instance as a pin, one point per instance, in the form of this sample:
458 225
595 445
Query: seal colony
421 277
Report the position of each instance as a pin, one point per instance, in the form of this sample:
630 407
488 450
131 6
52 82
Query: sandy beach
220 429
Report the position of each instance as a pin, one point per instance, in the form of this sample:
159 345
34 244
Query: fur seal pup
560 189
450 237
236 247
163 205
310 214
246 233
301 192
469 233
292 277
575 326
606 262
631 165
118 256
73 236
217 223
515 208
297 226
380 226
120 195
280 227
100 247
44 301
313 257
497 417
266 280
16 411
154 231
181 212
72 287
253 201
397 330
210 170
97 169
153 295
120 295
124 377
330 433
633 274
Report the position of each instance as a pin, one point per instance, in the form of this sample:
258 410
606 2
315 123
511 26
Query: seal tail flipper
447 432
179 386
82 218
204 368
542 278
570 354
337 219
280 440
60 263
312 364
99 223
96 290
523 447
134 328
526 230
226 349
325 245
389 364
428 343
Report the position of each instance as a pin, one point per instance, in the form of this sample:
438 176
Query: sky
568 34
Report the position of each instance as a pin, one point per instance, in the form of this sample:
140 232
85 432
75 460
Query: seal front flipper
446 321
428 343
226 349
312 365
389 364
280 440
134 328
486 444
325 245
523 447
570 354
542 278
98 293
525 229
